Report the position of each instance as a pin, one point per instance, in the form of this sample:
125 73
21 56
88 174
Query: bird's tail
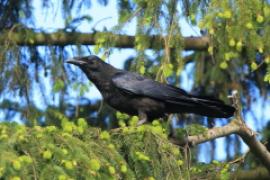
211 107
205 106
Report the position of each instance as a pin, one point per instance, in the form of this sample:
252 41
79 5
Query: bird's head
88 63
95 69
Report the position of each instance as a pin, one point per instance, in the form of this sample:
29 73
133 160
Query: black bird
134 94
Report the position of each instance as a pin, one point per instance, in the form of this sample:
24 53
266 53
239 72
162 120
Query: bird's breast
119 102
132 104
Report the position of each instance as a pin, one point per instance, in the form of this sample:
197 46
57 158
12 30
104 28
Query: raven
134 94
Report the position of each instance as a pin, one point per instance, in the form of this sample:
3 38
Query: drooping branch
236 126
31 38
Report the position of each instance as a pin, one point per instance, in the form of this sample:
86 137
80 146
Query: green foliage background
77 151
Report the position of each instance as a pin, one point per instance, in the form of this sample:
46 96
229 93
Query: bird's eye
93 65
90 62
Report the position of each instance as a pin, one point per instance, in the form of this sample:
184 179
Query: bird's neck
102 79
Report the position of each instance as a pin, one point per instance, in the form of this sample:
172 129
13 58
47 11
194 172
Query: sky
106 17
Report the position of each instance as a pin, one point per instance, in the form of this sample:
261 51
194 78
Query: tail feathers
205 106
212 107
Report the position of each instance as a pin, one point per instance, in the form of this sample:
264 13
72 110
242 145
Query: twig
33 165
240 159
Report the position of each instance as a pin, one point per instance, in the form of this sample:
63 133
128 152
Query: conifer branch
62 38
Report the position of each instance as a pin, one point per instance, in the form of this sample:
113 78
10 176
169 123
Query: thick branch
249 136
256 147
30 38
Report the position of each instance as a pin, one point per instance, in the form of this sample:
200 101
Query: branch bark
31 38
236 126
211 134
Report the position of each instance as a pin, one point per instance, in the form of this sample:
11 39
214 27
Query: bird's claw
141 122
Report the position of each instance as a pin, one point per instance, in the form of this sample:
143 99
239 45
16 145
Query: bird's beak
76 61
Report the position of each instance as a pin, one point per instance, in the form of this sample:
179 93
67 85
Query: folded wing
174 97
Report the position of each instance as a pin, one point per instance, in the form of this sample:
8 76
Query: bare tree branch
236 126
31 38
211 134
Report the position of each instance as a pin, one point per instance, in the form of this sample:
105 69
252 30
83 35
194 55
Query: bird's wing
137 85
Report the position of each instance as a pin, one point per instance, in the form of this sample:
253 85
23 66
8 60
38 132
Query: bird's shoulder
127 76
132 82
138 84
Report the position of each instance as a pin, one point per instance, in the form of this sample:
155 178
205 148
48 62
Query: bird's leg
142 118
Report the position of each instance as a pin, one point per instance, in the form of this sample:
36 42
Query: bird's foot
142 118
141 122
